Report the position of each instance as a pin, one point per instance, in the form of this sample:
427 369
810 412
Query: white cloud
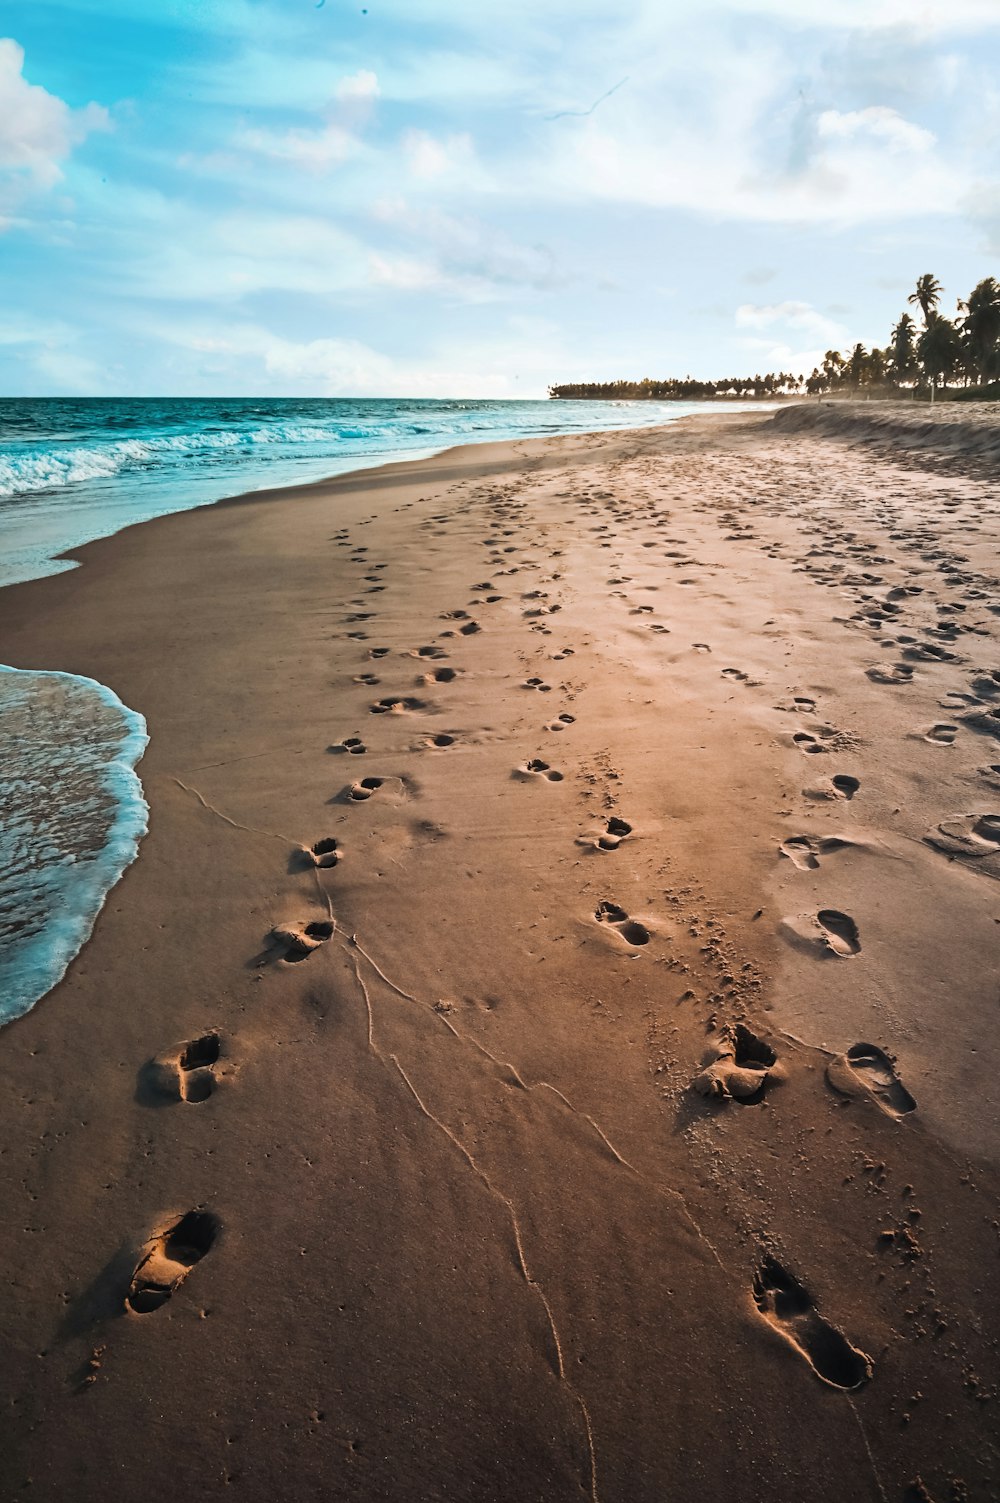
402 272
790 315
38 130
239 254
316 151
474 257
332 366
320 149
781 326
360 87
846 15
877 121
436 158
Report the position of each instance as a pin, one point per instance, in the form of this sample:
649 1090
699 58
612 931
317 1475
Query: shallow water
76 469
71 470
72 814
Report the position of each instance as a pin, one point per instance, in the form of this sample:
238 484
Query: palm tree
901 349
939 349
981 329
857 366
833 367
927 295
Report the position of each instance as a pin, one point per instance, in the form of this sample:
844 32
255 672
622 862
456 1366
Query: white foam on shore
72 814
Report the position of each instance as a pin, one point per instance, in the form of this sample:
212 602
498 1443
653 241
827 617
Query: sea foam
72 814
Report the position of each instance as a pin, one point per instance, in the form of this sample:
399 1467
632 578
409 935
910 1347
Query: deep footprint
617 830
197 1076
170 1259
396 705
786 1306
840 930
358 792
325 853
187 1071
630 930
537 768
738 1065
298 944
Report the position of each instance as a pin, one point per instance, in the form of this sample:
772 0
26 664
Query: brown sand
445 1218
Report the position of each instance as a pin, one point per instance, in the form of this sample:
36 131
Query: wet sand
546 1047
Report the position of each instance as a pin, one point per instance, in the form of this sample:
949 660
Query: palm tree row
686 389
965 349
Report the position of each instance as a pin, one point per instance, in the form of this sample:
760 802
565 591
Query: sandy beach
546 1047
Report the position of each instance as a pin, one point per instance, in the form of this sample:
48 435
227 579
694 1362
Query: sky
480 197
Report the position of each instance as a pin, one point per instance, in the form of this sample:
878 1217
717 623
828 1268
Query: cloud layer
296 197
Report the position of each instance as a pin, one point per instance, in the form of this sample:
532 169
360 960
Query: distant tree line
937 354
683 390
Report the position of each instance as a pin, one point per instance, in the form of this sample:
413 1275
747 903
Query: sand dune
546 1047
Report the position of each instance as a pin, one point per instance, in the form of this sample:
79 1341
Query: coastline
477 1237
73 818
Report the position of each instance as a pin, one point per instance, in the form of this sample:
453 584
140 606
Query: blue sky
427 197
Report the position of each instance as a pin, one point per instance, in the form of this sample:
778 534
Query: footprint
840 930
441 740
890 673
400 704
973 836
358 792
299 944
609 913
561 723
630 930
170 1259
807 742
186 1072
366 678
828 932
867 1071
537 683
379 652
537 768
325 853
804 852
470 628
942 734
440 676
986 721
615 832
429 652
739 1065
786 1306
736 675
840 786
352 744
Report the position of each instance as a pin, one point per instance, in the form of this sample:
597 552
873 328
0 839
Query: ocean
72 812
76 469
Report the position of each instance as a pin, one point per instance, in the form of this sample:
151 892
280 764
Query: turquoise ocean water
72 812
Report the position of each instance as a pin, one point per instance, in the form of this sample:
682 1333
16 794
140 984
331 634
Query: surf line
72 815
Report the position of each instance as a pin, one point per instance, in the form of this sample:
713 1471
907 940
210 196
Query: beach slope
546 1046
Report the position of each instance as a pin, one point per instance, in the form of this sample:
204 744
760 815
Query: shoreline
84 480
585 736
